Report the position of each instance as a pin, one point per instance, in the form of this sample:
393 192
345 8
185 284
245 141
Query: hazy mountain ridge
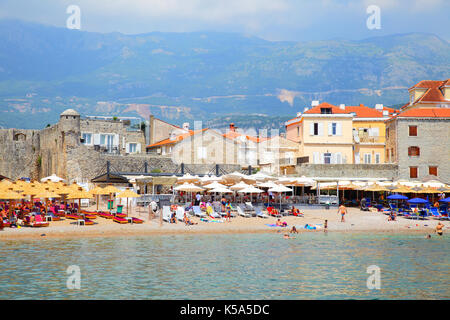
202 74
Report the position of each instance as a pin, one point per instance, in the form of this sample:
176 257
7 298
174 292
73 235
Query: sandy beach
356 221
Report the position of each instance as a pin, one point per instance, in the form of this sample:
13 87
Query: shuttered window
413 131
433 170
413 172
413 151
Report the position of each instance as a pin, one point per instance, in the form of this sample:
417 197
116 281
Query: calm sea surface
240 266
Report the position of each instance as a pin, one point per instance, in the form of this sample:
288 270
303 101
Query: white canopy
52 178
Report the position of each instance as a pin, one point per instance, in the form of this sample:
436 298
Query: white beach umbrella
214 185
259 176
52 178
280 189
188 178
220 190
188 187
239 186
251 190
268 184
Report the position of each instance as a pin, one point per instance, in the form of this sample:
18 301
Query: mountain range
180 77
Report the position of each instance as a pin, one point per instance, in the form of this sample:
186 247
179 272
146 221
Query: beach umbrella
188 178
128 194
46 194
239 186
445 200
268 184
52 178
418 201
80 194
11 195
111 189
214 185
188 187
402 189
397 197
280 189
220 190
97 191
259 176
251 190
428 190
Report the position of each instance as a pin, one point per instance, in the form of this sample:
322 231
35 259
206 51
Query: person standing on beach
439 228
325 226
342 210
228 208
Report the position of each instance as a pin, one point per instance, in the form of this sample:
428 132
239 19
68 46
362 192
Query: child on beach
342 210
293 230
439 229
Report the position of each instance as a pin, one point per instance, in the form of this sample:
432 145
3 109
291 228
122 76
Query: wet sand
355 221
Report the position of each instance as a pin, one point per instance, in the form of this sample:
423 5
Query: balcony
369 139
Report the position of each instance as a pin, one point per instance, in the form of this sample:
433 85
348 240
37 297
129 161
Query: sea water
312 265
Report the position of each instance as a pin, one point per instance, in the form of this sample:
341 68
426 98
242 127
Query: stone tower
69 138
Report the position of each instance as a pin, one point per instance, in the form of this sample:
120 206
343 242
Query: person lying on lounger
187 221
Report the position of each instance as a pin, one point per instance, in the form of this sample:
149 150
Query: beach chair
180 214
166 214
198 212
39 222
260 214
435 213
242 213
212 213
272 212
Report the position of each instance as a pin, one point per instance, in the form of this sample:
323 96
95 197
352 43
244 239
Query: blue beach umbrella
445 200
418 200
397 197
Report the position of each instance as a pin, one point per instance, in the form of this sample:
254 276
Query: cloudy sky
297 20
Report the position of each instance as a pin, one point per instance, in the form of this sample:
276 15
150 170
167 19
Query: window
201 152
413 131
432 170
132 148
413 172
387 133
413 151
377 158
316 129
325 110
87 138
327 158
298 131
334 128
367 158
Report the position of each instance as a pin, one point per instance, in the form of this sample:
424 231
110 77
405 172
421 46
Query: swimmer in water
428 236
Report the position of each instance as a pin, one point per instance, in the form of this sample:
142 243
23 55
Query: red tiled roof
316 109
175 139
363 111
233 135
434 90
426 113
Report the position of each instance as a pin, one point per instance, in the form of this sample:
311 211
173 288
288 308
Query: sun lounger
88 222
260 214
106 215
242 213
435 213
120 220
73 216
137 220
198 212
212 213
272 212
180 214
166 214
38 222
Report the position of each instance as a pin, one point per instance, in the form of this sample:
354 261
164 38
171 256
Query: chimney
379 106
151 129
342 106
314 103
299 114
186 126
232 127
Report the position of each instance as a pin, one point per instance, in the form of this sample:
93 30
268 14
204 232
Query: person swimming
293 230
